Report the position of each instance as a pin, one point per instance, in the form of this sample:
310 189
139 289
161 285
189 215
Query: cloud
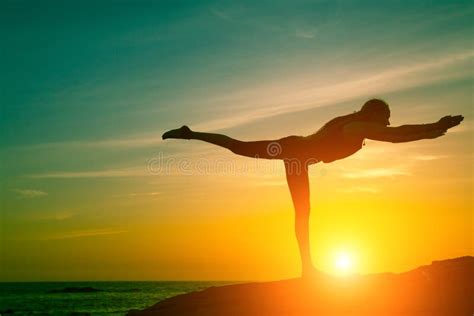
30 193
64 215
361 190
376 173
271 183
308 95
139 140
87 233
428 157
139 194
284 98
110 173
221 14
306 33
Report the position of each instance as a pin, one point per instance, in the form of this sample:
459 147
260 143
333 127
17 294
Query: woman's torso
333 144
328 144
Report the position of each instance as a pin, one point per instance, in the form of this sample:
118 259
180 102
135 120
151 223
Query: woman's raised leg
255 149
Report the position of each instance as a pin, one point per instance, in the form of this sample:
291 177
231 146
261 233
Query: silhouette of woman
337 139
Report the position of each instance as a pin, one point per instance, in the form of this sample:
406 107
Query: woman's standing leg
298 182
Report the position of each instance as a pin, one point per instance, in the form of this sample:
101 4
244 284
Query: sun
343 262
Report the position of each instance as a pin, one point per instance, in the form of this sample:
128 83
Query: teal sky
97 71
88 87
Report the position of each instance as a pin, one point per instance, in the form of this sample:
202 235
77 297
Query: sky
89 191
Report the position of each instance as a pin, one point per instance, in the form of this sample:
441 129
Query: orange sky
89 191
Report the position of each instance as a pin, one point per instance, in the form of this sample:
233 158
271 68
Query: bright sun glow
343 262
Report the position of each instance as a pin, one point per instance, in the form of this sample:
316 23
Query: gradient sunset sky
89 191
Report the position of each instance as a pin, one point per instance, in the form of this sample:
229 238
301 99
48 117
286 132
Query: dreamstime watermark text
163 165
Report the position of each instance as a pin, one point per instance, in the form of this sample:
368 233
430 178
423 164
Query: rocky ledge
443 288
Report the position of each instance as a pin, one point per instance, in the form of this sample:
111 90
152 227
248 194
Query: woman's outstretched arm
404 133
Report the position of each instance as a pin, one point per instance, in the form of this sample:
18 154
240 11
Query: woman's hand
449 121
441 127
432 134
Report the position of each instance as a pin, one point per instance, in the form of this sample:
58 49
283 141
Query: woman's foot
183 132
312 274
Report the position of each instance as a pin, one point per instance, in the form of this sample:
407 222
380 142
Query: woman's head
376 110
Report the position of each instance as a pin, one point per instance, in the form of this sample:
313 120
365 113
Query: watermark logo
162 165
274 149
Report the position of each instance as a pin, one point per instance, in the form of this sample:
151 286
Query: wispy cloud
30 193
361 190
140 194
429 157
110 173
376 173
64 215
140 140
311 95
157 165
86 233
221 14
285 98
306 33
271 183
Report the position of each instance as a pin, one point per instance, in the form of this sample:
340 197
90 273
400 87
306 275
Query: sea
71 298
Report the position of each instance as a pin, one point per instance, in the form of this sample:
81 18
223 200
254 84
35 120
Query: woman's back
329 142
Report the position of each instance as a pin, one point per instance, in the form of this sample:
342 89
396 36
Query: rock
442 288
86 289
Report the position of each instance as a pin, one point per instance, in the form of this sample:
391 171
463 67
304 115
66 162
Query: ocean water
115 298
